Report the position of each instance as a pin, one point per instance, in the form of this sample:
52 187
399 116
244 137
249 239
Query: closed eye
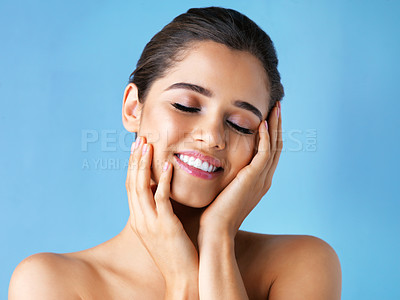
195 109
240 129
185 108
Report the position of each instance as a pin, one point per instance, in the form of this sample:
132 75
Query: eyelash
194 110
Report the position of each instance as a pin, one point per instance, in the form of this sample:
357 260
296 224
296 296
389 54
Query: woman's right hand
154 222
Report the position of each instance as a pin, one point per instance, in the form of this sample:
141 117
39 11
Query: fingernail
266 124
137 142
277 111
145 147
166 165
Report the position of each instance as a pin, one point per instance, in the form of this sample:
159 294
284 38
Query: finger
279 144
273 135
128 178
260 160
134 206
279 141
274 119
136 158
163 191
144 192
131 174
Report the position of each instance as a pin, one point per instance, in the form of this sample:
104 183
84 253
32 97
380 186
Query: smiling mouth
198 164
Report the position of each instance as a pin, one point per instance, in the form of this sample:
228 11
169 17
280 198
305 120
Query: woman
204 101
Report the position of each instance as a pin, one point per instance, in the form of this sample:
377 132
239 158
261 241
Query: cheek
160 127
241 155
242 149
163 132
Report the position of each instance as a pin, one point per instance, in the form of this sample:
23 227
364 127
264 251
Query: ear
131 108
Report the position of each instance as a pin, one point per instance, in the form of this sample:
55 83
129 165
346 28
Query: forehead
229 74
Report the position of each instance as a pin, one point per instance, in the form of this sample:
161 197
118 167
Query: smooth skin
182 239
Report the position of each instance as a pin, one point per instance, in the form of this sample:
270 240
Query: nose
210 132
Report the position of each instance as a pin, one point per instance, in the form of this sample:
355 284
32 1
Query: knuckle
127 185
280 144
161 195
268 183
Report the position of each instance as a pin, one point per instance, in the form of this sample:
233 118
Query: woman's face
223 88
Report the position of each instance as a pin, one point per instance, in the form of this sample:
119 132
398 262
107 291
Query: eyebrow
205 92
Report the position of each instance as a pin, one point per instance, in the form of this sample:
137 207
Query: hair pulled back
222 25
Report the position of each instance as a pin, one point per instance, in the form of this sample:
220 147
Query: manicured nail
266 124
145 148
166 165
277 111
137 142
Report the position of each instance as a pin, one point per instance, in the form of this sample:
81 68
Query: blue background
64 65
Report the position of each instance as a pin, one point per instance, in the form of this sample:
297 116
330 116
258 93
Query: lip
196 154
196 172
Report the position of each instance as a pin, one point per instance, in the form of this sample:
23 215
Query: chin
191 198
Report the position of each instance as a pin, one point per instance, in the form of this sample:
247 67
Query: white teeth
191 161
204 166
197 163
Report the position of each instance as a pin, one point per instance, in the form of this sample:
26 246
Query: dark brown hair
221 25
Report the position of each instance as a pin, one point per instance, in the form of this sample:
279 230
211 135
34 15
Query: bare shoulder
47 276
295 266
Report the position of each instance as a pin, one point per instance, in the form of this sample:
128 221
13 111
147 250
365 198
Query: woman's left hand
229 209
